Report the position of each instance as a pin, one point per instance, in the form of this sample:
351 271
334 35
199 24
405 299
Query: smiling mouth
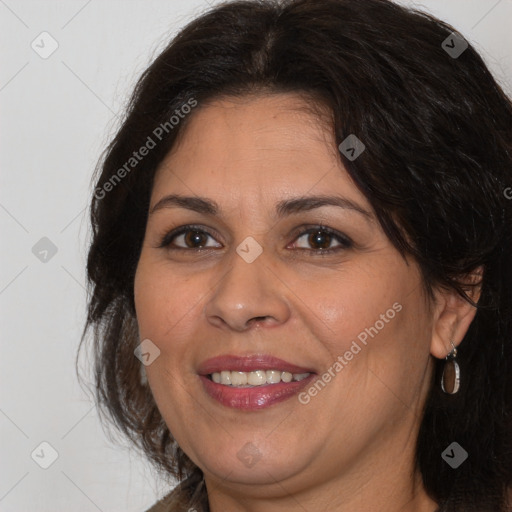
238 379
252 382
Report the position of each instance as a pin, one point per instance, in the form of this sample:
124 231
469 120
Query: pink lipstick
252 382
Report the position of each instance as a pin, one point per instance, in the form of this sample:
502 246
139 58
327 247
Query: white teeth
273 377
255 378
286 377
238 378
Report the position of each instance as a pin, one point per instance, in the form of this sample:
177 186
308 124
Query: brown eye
186 237
319 240
191 238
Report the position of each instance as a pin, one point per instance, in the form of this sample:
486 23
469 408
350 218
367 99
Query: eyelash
345 242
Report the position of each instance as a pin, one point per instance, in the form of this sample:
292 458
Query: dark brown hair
438 135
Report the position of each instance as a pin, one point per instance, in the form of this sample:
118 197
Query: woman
300 264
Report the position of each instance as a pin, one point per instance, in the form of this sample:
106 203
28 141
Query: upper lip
248 364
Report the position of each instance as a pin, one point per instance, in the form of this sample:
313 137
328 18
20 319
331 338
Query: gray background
57 115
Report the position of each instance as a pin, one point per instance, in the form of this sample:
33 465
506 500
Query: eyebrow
283 208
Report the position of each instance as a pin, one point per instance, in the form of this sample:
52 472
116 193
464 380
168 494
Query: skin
351 447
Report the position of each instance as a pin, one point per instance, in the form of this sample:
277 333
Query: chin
252 468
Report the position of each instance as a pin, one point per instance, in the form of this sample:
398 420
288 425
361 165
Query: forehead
253 147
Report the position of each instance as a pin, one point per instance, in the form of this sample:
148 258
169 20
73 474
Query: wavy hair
436 169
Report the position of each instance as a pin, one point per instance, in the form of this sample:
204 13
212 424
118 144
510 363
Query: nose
248 295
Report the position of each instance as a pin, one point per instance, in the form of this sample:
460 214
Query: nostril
258 319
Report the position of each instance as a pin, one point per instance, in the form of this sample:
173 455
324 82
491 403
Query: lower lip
258 397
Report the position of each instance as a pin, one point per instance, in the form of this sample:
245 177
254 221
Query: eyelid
311 228
166 239
344 241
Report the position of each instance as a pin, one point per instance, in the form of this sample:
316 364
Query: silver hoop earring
450 380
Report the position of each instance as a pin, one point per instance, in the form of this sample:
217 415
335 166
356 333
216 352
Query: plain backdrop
57 114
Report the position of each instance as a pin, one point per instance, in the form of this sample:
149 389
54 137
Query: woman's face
252 282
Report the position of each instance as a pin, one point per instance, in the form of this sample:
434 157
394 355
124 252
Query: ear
453 315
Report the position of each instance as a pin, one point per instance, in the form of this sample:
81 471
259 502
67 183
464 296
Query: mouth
252 382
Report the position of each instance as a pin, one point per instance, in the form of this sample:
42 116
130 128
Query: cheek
352 308
377 322
163 301
164 306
